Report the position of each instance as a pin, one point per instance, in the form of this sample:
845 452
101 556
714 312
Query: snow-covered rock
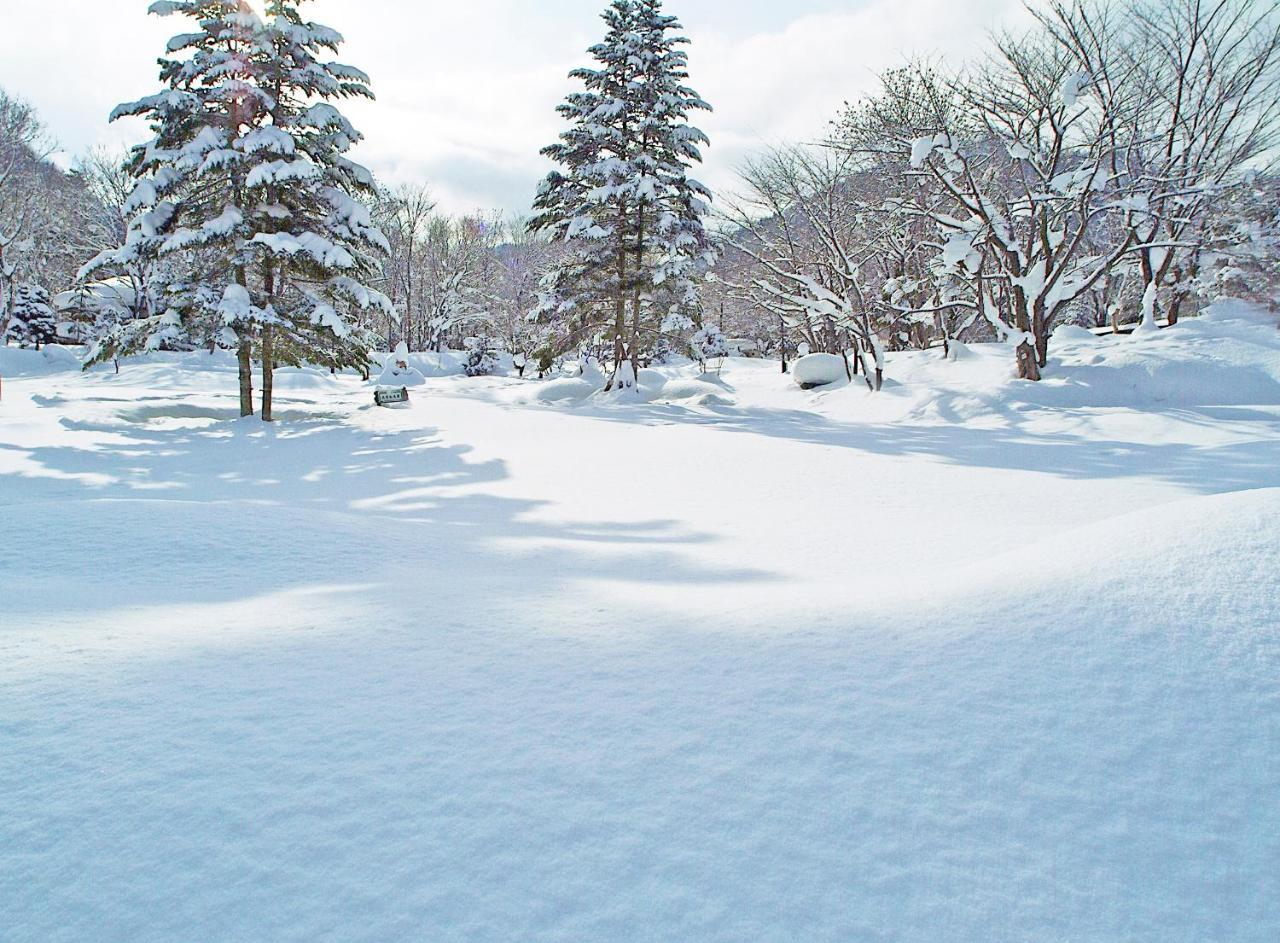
819 370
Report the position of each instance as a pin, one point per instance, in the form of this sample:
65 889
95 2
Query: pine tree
247 173
624 201
31 321
187 194
482 359
310 236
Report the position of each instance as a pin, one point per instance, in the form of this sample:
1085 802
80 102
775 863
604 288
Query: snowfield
968 660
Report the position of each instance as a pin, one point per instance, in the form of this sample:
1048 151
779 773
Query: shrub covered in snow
709 344
482 358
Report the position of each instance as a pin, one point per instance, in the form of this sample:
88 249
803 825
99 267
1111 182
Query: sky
467 90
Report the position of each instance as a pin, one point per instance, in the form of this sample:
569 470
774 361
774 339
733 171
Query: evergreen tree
248 169
624 201
482 359
187 193
310 238
709 344
31 321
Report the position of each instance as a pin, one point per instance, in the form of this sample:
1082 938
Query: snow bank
563 390
698 391
28 362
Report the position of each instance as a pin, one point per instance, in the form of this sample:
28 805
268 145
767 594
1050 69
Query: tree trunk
268 373
619 303
635 298
782 337
1040 325
1027 354
243 356
1028 365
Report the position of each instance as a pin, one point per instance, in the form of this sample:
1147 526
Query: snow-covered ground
969 660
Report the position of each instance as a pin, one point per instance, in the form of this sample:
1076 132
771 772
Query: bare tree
23 149
800 222
1202 86
405 215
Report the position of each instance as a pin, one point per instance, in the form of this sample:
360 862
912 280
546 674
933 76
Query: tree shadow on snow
219 511
1208 469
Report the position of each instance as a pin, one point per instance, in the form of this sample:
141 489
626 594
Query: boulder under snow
819 370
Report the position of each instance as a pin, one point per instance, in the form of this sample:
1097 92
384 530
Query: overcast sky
467 90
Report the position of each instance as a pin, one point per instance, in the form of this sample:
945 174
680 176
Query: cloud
467 91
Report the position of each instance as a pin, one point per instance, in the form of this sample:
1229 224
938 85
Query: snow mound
1227 548
564 390
587 369
398 373
26 362
395 376
649 379
1074 334
698 391
819 370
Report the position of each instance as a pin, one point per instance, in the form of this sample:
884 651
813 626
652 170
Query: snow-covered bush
482 358
709 344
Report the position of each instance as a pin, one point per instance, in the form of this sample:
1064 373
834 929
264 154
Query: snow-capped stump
817 370
397 373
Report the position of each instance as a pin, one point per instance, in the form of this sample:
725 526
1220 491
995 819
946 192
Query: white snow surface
820 370
967 660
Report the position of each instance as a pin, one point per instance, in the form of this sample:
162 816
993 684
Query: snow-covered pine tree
624 201
31 321
311 237
247 173
188 194
482 359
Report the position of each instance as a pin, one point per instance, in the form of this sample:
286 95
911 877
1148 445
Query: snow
398 373
820 370
975 654
1073 86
